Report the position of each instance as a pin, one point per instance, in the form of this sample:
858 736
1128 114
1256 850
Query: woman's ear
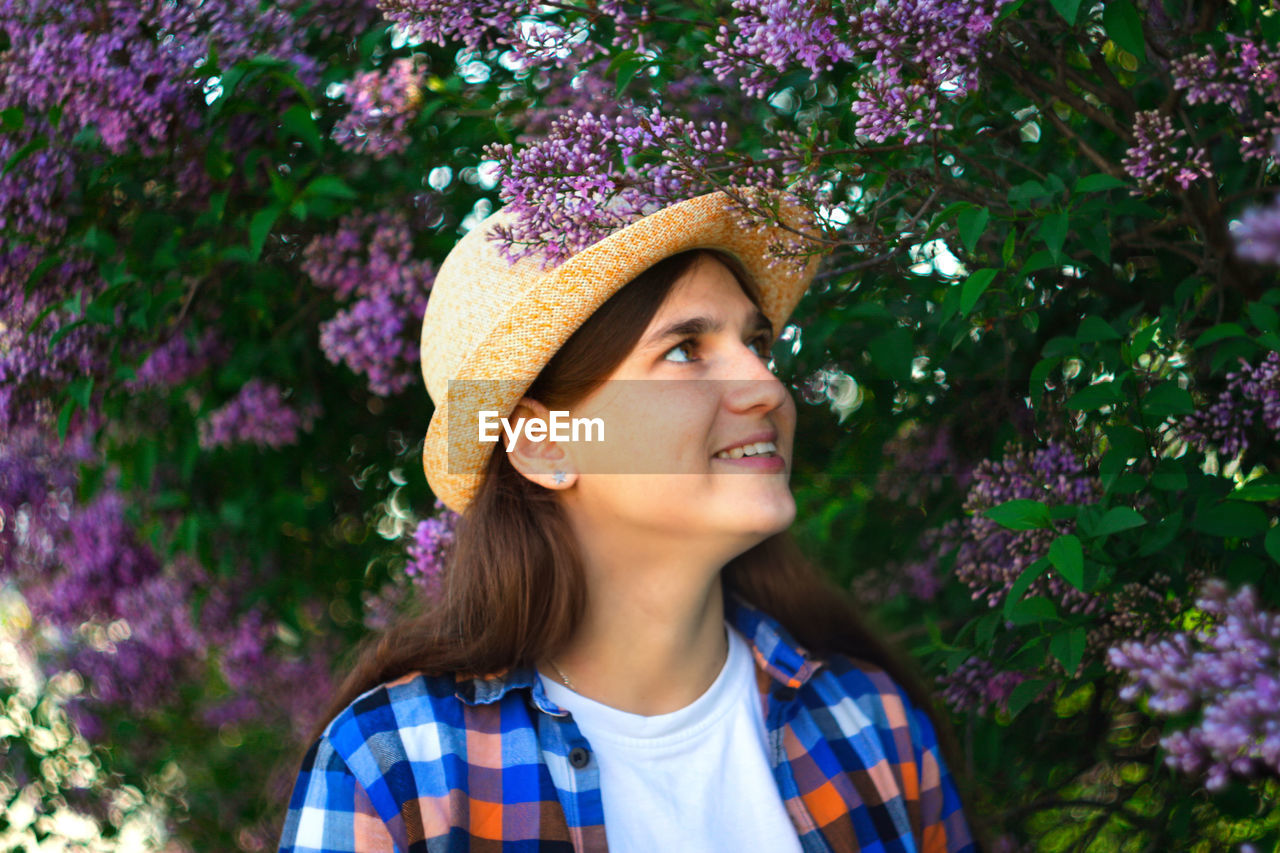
537 458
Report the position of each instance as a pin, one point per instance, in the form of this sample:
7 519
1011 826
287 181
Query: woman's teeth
760 448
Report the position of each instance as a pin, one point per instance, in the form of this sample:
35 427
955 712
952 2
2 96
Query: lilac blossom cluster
32 363
1252 396
919 578
583 180
258 414
1227 670
919 461
381 105
128 621
429 548
1245 79
177 359
917 53
1257 238
1159 154
977 686
537 35
989 557
368 263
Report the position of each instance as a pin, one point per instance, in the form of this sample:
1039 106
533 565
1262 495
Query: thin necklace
563 677
569 684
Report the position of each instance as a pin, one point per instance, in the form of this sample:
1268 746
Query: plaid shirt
432 764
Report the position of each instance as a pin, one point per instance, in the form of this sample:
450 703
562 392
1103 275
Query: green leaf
1116 519
1260 492
1167 400
1022 584
12 119
1068 647
1095 396
1033 611
25 151
1020 514
1027 192
1230 520
260 227
1053 230
1067 9
1094 329
892 352
1067 556
1169 476
1143 338
1272 543
1099 182
1127 441
1028 691
1039 374
973 288
1218 332
64 419
298 121
1155 538
1124 27
329 186
971 223
1263 317
627 71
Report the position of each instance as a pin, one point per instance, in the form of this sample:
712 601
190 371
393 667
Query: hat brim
499 370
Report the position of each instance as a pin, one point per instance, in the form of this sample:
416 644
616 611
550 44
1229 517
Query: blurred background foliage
1041 368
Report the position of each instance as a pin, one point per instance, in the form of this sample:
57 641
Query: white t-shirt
696 779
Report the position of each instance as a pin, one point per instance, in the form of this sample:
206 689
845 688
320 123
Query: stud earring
559 478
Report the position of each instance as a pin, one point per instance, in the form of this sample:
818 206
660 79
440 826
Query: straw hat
491 326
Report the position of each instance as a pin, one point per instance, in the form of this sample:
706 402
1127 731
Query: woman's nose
750 383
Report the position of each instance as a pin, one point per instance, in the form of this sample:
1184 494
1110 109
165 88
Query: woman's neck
652 639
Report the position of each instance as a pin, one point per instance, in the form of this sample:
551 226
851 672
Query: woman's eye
684 348
762 345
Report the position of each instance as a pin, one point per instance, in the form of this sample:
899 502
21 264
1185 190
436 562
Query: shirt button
579 757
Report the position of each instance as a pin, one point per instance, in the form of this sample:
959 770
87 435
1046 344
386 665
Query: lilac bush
1228 670
257 414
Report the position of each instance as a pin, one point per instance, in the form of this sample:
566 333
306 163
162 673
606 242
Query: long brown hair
514 590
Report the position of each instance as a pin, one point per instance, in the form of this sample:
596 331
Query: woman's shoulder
410 707
868 695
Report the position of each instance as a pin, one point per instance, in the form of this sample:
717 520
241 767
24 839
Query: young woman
629 654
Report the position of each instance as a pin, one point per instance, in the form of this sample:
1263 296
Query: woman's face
692 395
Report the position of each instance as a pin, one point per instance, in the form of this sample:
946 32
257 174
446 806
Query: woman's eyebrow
702 325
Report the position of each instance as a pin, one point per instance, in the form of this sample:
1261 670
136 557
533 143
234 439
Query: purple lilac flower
478 24
138 655
1252 395
429 549
1160 156
571 189
919 461
918 53
764 38
977 686
989 558
1228 671
381 104
175 360
1257 238
1245 79
125 69
368 260
258 414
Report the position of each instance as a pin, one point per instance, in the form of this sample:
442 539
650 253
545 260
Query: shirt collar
774 649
